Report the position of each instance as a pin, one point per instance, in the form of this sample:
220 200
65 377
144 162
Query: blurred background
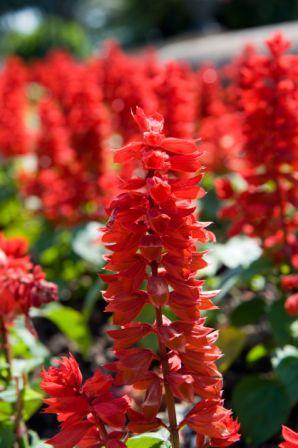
30 28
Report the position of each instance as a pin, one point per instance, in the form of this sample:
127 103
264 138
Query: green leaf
6 411
6 435
70 322
285 364
280 323
92 296
20 366
32 401
258 352
262 406
227 281
231 341
36 442
262 266
147 442
248 312
287 372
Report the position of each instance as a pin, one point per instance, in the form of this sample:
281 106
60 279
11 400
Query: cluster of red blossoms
22 284
152 233
14 137
78 107
268 90
71 145
267 207
83 409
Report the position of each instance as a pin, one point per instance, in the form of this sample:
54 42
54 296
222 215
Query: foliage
51 34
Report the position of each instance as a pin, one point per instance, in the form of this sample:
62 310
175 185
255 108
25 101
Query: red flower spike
14 136
22 284
72 117
152 234
267 92
83 408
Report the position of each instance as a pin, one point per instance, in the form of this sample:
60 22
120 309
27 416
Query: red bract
14 138
266 208
152 233
84 409
22 284
211 421
291 438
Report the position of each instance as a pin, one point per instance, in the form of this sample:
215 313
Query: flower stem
283 217
6 348
170 402
20 428
21 436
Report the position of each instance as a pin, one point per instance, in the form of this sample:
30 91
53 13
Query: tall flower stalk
268 96
152 234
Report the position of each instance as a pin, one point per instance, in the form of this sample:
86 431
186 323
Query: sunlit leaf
256 353
70 322
248 312
231 341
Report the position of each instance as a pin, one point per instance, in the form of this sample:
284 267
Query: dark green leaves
262 406
248 313
280 323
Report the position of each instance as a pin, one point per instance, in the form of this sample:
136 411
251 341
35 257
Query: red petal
70 436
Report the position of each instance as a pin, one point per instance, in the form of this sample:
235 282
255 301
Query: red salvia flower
266 208
289 282
14 137
291 305
177 96
84 409
22 284
152 234
72 181
125 83
291 438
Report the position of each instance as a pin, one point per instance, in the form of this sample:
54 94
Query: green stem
20 428
6 348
